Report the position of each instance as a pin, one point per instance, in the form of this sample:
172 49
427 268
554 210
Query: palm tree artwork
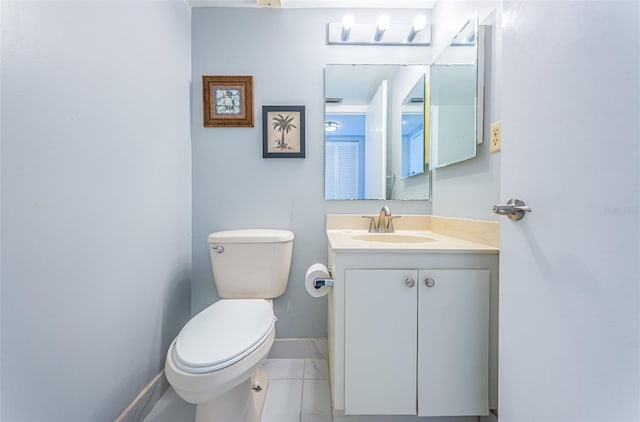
283 124
283 131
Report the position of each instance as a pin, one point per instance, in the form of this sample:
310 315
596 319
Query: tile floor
298 392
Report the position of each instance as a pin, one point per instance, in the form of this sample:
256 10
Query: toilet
215 360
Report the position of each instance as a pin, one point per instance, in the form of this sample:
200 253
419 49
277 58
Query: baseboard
493 417
140 407
283 348
300 348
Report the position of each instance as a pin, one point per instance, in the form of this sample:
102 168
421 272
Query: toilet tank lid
251 236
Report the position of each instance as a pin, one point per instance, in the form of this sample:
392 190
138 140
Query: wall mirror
369 154
456 98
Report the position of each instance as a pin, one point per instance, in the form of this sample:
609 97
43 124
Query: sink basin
393 238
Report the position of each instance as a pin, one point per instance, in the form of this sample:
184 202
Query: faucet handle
372 224
390 223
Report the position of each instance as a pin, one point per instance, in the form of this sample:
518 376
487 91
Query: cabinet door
380 342
453 343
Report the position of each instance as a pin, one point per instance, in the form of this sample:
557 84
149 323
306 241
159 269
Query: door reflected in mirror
368 154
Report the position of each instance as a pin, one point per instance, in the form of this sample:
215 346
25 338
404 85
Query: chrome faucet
382 219
384 222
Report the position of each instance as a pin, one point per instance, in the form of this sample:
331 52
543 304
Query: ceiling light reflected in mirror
330 126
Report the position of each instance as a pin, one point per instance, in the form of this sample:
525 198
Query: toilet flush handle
218 249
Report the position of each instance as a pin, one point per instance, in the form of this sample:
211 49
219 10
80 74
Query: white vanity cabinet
380 314
412 320
453 342
416 341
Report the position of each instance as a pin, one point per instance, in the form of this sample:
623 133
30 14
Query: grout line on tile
301 397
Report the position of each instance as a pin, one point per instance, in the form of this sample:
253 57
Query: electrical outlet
495 137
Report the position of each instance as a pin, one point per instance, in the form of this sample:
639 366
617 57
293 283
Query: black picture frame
283 132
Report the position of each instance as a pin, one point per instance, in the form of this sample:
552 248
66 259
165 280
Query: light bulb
347 21
383 23
419 23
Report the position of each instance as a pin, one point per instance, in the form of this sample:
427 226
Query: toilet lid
222 334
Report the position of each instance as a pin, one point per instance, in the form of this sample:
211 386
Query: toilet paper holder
319 282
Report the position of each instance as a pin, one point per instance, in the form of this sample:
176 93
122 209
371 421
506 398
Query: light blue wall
233 186
95 195
471 188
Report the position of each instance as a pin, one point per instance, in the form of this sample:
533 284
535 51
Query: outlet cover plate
495 137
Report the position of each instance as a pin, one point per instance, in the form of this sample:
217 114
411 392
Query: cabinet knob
409 282
429 282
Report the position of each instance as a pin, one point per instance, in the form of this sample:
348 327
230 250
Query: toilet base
242 403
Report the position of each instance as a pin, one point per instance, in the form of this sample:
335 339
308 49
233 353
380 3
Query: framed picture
227 101
283 131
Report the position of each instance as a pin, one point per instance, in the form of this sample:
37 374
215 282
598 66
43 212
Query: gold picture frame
227 101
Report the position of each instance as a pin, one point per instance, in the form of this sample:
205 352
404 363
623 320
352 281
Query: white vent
333 100
270 3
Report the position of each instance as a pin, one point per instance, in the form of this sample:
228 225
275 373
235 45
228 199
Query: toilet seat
223 334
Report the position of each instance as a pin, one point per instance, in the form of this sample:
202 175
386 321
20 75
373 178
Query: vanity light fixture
381 33
347 23
418 25
382 25
330 126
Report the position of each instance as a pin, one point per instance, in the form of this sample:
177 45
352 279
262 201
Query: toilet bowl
215 360
212 361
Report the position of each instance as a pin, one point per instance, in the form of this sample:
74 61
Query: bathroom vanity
413 316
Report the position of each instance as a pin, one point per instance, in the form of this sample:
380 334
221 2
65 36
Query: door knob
514 209
429 282
409 282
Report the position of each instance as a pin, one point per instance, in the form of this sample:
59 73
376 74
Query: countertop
448 235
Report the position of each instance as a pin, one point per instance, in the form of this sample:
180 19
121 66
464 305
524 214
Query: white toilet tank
251 263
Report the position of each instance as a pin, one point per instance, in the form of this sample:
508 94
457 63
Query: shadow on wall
174 313
176 308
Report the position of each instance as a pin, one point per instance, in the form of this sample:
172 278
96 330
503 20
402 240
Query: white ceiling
374 4
356 84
